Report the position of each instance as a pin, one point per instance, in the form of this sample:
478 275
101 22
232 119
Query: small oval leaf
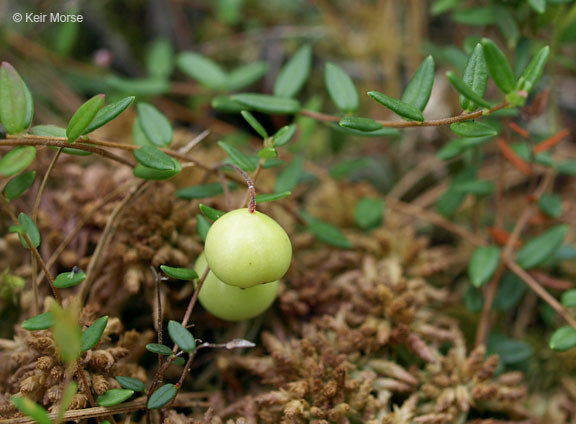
294 73
257 126
326 232
360 123
108 113
69 279
569 298
475 76
483 264
341 88
550 204
32 409
83 117
465 90
290 176
114 397
563 339
153 158
204 70
16 104
498 66
17 160
162 396
418 90
91 336
202 191
246 75
146 173
131 383
39 322
268 104
202 225
542 247
533 71
181 336
284 135
239 158
263 198
29 227
179 273
473 129
17 186
209 212
154 125
368 212
159 349
397 106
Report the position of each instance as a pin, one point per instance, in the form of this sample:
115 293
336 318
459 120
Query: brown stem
251 189
254 178
194 297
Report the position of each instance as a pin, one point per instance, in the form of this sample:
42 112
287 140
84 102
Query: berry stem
249 181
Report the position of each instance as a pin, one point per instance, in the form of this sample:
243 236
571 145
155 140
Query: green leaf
146 173
39 322
226 104
359 123
483 265
473 129
153 158
16 104
294 73
475 76
465 90
209 212
533 71
202 191
114 397
204 70
460 145
263 198
569 298
203 225
541 248
131 383
17 186
69 279
478 16
398 107
450 201
257 126
341 88
348 167
32 409
159 349
290 176
368 212
138 86
239 158
267 153
567 167
181 336
67 333
66 400
160 58
473 299
154 125
179 361
326 232
284 135
443 6
17 160
418 90
510 291
162 396
28 226
108 113
268 104
91 336
476 187
550 204
83 117
245 75
382 132
510 351
55 131
563 339
179 273
538 5
507 24
498 66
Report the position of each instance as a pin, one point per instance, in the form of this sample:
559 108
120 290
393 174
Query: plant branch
249 182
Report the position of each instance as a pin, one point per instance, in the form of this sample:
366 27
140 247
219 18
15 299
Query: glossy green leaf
114 397
203 225
539 249
465 90
28 227
17 160
209 212
510 291
91 336
17 186
294 73
253 122
16 104
179 273
138 136
239 158
360 123
69 279
326 232
263 198
39 322
483 264
341 88
159 349
32 409
538 5
162 396
498 66
398 107
569 298
476 187
245 75
290 176
154 125
160 58
181 336
204 70
477 16
267 103
475 76
533 71
563 339
138 86
267 153
108 113
83 117
473 129
368 212
550 204
450 201
202 191
153 158
382 132
131 383
146 173
510 351
55 131
418 90
226 104
284 135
